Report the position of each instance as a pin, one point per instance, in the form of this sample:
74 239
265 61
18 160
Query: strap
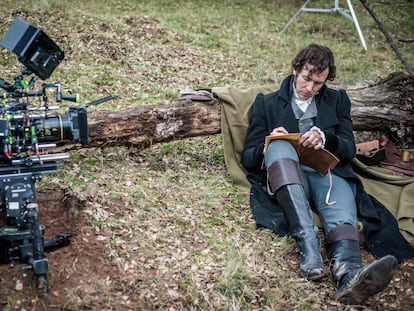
342 232
328 194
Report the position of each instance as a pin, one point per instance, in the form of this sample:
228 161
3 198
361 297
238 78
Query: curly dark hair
321 57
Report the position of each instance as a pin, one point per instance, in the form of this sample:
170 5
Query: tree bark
377 106
145 125
386 104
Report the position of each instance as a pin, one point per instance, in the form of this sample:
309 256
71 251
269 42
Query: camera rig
27 134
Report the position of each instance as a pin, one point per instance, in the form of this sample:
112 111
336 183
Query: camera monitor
33 47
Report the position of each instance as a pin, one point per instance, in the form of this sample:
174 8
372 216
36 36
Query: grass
171 209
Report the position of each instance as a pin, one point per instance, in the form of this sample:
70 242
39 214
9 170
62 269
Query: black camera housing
40 54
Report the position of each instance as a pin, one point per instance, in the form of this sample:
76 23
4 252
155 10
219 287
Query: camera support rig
25 133
22 236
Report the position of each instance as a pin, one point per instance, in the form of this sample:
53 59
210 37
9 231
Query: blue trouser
317 186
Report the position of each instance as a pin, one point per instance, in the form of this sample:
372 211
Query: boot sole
370 281
316 277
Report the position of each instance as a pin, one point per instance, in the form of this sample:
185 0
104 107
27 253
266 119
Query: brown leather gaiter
342 232
283 171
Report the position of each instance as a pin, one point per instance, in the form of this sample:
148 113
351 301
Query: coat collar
326 113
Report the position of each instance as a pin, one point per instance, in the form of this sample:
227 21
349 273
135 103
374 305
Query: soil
69 266
75 272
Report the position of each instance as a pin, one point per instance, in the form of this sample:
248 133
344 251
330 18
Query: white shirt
302 104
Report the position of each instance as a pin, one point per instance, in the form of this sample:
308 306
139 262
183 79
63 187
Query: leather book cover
320 160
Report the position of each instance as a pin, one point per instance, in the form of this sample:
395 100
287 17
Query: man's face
306 84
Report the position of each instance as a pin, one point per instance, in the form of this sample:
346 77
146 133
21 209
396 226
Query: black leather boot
354 282
285 181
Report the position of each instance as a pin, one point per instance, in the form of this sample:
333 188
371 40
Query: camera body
26 132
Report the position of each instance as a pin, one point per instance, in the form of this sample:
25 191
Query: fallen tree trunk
145 125
376 107
382 105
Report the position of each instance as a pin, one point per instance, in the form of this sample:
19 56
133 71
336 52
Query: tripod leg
294 17
355 20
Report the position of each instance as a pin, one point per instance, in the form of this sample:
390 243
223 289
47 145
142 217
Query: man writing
306 105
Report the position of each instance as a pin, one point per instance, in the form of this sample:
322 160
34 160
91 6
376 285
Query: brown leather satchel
395 159
370 152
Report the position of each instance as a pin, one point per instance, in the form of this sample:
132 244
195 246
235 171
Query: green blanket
396 193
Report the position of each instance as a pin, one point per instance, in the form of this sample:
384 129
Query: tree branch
387 36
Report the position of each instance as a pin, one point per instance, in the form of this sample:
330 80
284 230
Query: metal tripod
336 9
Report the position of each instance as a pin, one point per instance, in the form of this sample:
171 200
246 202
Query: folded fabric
195 95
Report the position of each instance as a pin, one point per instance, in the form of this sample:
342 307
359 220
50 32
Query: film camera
26 135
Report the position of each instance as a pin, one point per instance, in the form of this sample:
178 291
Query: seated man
306 105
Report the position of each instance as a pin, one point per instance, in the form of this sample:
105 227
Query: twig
387 36
406 40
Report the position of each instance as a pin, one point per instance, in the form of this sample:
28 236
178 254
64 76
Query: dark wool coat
274 110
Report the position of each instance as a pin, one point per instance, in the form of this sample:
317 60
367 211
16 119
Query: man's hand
279 131
311 139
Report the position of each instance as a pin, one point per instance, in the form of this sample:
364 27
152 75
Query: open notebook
320 160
